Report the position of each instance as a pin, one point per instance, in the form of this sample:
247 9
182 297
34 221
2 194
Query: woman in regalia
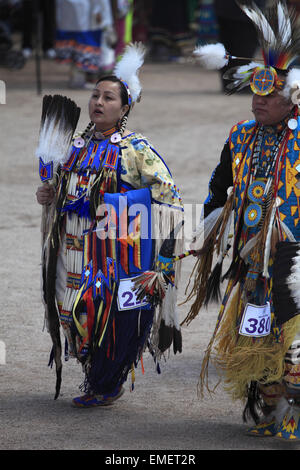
111 205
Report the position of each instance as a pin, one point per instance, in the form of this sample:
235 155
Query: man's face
270 109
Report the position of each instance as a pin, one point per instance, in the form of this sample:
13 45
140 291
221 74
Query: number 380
255 326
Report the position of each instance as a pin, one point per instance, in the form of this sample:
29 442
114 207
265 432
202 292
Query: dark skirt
121 350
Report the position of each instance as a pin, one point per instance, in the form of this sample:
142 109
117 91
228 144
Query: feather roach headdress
59 119
279 38
127 70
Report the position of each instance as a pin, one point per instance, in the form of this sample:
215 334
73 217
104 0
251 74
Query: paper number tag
256 320
127 297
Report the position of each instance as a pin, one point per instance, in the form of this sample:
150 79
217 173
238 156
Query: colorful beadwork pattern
253 215
263 81
256 191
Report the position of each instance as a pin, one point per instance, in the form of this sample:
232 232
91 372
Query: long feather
260 21
205 228
267 249
278 32
127 68
284 24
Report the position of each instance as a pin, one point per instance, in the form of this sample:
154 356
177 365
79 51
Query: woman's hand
45 194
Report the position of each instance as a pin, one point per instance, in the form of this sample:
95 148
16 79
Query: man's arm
220 181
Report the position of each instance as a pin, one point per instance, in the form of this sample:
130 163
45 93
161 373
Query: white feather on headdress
212 56
128 67
261 22
292 84
284 24
244 69
278 32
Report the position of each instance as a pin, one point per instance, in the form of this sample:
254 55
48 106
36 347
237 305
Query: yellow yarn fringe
242 359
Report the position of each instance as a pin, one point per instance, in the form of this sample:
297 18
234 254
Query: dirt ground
187 119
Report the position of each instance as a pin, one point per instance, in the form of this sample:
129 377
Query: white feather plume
127 68
212 56
292 83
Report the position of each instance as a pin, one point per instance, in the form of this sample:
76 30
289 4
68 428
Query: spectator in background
30 9
169 31
85 37
123 16
206 23
141 20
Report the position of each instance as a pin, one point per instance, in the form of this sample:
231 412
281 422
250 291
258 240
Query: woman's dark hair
123 91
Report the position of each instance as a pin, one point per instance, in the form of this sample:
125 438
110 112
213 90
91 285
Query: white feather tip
212 56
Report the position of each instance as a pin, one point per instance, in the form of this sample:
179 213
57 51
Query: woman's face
105 105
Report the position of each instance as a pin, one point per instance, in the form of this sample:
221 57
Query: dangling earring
117 136
293 121
79 142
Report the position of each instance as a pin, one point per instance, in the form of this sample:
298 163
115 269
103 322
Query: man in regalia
255 190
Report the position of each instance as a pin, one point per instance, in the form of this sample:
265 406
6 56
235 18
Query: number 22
129 302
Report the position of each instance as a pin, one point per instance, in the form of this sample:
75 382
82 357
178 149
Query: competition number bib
256 320
127 297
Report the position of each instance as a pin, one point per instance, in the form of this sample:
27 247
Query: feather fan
59 119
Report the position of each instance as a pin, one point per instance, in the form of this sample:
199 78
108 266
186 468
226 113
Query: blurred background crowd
90 35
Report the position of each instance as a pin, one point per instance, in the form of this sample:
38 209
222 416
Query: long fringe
203 267
241 359
203 378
